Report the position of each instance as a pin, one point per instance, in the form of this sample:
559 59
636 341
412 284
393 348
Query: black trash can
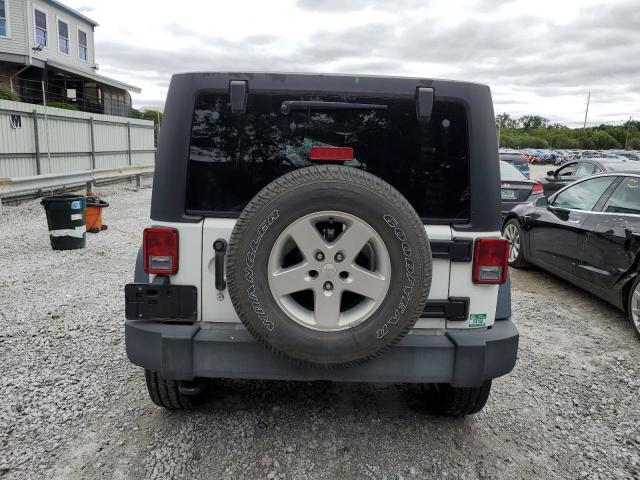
66 220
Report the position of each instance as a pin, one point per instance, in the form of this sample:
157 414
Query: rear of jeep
324 227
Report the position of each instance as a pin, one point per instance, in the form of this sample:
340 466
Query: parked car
572 171
630 155
589 234
516 188
536 157
517 159
269 257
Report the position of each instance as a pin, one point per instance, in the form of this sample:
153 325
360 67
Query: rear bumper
183 352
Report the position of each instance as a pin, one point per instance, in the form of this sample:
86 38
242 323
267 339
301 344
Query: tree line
148 114
534 131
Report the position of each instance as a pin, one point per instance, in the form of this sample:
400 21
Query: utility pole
586 111
626 141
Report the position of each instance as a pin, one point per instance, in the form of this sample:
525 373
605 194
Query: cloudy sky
540 57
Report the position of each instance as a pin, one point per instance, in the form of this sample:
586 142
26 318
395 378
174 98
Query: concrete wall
68 140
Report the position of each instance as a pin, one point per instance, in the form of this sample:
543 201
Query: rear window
509 172
512 157
233 156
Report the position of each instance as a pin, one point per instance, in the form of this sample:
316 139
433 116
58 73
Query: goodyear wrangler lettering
408 274
249 276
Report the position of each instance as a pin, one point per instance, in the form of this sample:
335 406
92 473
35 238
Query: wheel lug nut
328 286
339 257
319 256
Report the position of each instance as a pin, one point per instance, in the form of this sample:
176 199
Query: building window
4 27
63 36
82 46
41 27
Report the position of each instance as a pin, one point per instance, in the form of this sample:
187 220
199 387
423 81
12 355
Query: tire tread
460 401
166 393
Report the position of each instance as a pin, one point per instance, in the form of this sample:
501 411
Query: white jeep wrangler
324 227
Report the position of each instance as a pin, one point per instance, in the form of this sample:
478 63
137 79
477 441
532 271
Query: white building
46 43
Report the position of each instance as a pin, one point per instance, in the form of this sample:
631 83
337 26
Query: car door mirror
542 202
551 173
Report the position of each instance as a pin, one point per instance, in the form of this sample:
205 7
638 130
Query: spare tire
329 265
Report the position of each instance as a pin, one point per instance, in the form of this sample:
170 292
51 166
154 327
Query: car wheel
633 306
173 396
512 231
458 401
329 266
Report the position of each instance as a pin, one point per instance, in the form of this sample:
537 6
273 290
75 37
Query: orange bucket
94 219
94 214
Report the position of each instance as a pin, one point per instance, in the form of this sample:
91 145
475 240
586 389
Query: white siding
110 137
51 52
65 134
15 43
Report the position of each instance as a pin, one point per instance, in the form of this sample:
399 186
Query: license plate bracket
161 302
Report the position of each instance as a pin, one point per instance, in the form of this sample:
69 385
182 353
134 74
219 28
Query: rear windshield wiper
290 105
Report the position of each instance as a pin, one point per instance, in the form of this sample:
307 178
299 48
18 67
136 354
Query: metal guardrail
121 172
11 186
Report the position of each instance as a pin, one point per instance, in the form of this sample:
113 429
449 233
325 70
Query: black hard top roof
170 176
308 76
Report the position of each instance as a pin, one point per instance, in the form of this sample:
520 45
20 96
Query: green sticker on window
477 319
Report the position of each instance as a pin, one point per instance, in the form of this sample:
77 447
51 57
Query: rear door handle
220 249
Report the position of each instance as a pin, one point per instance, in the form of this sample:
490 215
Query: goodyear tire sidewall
250 247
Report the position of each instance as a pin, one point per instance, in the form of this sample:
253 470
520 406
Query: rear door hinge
424 103
456 250
453 309
238 93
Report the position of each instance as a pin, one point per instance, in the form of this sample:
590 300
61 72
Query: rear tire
512 231
166 393
633 306
458 401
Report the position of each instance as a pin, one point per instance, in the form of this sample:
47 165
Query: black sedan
589 234
516 188
572 171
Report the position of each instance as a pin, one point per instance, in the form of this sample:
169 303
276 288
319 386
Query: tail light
537 188
337 154
490 261
160 250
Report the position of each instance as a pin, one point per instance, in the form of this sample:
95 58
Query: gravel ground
73 407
